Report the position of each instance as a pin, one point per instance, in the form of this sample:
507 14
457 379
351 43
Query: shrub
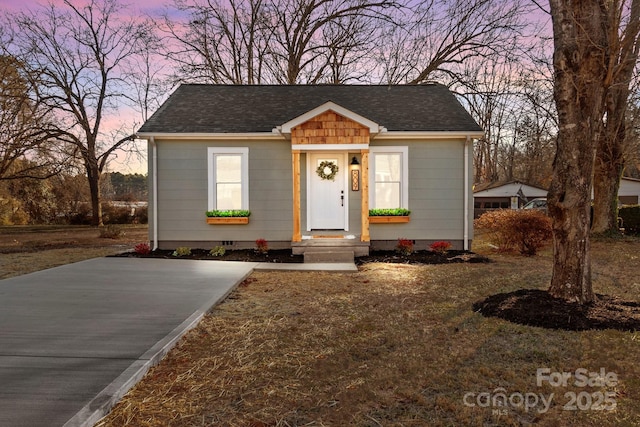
217 251
404 246
522 230
111 231
262 246
630 216
142 215
112 214
440 247
182 251
142 249
389 212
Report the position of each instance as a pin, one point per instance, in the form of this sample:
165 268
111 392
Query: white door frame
344 171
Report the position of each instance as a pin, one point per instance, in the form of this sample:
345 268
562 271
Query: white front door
327 199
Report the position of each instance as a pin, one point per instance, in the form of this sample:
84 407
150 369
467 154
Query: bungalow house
309 162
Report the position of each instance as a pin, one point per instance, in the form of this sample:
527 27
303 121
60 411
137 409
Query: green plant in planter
238 213
389 212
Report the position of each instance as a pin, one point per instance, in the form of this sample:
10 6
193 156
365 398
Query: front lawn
396 345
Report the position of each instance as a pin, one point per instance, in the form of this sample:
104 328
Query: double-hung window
228 178
389 178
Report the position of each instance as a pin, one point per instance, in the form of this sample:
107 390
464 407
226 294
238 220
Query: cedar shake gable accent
194 108
330 128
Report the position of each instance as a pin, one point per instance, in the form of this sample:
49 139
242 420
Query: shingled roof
244 109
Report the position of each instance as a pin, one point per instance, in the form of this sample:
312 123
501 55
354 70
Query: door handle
342 198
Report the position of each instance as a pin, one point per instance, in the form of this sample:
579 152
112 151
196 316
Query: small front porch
330 246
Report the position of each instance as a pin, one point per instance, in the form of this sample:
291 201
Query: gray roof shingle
194 108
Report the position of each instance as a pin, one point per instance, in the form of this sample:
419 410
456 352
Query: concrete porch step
328 255
330 245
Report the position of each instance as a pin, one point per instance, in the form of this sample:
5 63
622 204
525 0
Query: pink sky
146 6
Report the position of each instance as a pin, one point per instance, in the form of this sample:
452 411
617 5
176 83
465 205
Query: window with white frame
388 177
228 178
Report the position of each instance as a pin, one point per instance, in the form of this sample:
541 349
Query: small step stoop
325 256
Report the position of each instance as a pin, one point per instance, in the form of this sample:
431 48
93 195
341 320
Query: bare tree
273 41
82 55
348 44
223 42
490 93
439 35
580 45
632 147
26 148
624 46
298 51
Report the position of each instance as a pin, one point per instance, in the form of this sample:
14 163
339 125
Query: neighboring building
261 148
629 192
514 195
504 195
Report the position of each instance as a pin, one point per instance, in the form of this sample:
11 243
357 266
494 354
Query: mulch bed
285 256
247 255
534 307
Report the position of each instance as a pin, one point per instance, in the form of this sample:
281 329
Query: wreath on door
327 170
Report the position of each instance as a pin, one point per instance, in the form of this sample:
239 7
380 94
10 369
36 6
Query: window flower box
228 217
380 219
389 216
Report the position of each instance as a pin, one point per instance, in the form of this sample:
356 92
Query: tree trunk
607 173
579 28
93 175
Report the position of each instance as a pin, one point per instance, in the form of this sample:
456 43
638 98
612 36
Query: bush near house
522 230
630 216
182 251
142 249
262 246
404 246
440 247
218 251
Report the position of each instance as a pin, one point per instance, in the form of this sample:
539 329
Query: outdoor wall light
355 174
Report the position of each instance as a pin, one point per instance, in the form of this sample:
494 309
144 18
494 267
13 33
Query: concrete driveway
74 339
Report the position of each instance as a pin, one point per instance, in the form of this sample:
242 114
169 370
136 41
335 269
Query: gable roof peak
286 127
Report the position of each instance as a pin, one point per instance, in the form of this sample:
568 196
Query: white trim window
389 177
228 171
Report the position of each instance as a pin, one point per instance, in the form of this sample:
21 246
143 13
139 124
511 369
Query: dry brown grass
392 345
25 249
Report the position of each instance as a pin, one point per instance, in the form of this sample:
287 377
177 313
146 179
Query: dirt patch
21 239
25 249
422 257
535 307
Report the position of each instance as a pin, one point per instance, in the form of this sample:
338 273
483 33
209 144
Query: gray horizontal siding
183 192
436 189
